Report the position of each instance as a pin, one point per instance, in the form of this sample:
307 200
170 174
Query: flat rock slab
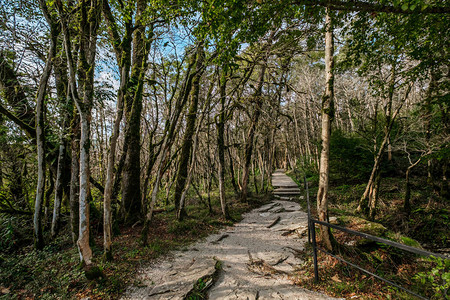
256 260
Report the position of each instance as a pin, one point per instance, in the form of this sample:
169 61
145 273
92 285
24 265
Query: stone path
257 255
284 185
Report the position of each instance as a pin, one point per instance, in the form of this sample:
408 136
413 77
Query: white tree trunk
107 216
83 236
58 186
327 113
40 142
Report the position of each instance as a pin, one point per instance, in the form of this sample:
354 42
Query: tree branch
366 6
30 131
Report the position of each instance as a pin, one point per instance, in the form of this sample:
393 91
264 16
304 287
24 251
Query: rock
360 224
397 237
277 210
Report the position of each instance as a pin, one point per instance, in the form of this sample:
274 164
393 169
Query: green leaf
405 7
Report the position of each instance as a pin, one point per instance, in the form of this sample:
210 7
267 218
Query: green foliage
350 160
437 219
14 232
438 277
181 227
35 272
6 234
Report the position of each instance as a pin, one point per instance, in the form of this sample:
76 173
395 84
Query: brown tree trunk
168 140
368 202
59 185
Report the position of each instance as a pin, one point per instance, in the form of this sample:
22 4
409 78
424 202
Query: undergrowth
426 226
54 272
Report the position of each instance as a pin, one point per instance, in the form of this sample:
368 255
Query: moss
397 237
363 225
93 272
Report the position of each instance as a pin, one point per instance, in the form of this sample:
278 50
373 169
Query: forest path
284 185
257 256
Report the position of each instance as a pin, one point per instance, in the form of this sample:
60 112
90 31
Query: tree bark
40 135
251 133
123 56
131 180
221 146
89 20
186 146
74 177
327 117
59 188
169 136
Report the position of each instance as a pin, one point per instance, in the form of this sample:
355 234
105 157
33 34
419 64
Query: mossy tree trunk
122 48
40 134
61 183
186 145
89 15
131 180
74 175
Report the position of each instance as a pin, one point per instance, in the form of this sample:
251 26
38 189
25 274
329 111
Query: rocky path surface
256 257
284 185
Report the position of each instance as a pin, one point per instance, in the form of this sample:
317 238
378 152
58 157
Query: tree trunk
89 20
188 134
131 181
232 173
48 194
107 215
59 183
368 201
251 133
407 202
40 136
221 145
373 196
327 116
74 178
168 140
122 48
428 124
38 238
83 237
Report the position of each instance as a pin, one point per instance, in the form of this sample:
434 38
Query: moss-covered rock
373 228
93 272
360 224
397 237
